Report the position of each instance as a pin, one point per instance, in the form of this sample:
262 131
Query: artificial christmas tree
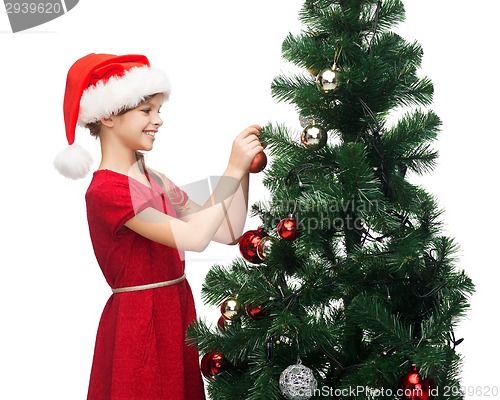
358 292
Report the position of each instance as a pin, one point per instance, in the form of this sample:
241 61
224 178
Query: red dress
140 351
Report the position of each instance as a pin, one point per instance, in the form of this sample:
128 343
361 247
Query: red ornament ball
258 164
287 228
413 387
221 323
213 363
255 312
248 244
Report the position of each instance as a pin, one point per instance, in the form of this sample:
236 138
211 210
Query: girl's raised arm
196 232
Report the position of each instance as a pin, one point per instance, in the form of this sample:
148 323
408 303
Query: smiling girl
140 223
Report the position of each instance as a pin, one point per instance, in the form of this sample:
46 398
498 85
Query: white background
221 57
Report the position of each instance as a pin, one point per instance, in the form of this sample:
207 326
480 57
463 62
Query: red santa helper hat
97 86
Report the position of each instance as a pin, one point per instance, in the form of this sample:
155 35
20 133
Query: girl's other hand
245 147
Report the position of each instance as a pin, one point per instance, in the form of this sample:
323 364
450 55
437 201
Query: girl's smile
151 134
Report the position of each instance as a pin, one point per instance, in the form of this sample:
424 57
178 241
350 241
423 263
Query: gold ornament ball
314 137
231 309
327 80
264 247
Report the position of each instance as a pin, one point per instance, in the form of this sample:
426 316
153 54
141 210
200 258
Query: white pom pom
73 162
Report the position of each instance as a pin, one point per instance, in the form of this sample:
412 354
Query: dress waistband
149 286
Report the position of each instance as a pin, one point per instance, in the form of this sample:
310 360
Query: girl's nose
158 121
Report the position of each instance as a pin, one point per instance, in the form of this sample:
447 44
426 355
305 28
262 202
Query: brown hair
95 127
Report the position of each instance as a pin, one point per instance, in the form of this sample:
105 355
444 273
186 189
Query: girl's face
136 129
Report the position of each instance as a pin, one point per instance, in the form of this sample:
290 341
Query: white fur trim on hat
120 93
73 162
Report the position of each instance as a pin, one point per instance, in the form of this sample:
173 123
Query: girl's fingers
254 129
250 138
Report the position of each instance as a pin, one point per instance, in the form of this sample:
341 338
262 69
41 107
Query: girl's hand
245 147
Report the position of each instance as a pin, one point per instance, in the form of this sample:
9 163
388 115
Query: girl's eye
146 111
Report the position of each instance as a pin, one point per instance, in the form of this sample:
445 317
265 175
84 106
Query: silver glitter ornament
314 137
327 80
297 382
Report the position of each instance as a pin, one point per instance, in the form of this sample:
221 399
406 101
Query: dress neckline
128 177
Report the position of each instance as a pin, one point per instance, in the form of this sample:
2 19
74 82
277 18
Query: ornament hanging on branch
255 312
413 387
327 80
213 363
221 323
314 136
231 309
287 228
297 382
264 247
248 244
258 164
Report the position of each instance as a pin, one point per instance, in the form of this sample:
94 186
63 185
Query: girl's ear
108 122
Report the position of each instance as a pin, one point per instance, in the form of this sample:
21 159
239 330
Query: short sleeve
112 203
177 196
